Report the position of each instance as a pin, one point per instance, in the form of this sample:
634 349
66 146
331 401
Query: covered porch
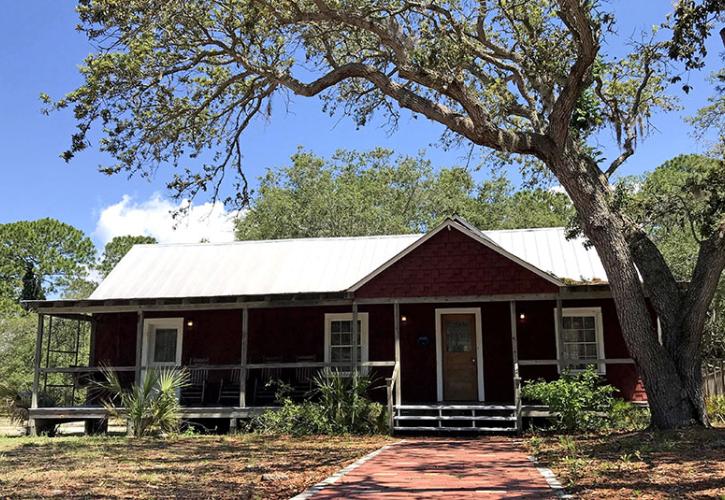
234 350
443 362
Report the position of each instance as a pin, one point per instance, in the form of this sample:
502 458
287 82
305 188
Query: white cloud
153 217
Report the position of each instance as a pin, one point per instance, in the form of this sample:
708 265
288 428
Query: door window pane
165 345
458 336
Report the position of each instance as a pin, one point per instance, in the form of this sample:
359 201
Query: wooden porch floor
189 412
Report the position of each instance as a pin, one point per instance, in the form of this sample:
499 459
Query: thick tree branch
703 283
659 283
574 14
515 142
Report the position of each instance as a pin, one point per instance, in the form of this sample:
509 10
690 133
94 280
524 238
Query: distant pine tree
32 288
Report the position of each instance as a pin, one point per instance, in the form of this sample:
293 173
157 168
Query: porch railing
566 362
82 377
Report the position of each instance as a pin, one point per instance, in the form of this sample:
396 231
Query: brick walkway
444 468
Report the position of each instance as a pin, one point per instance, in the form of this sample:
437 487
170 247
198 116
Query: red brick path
444 468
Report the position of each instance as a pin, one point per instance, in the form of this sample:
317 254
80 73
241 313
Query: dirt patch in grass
675 464
242 466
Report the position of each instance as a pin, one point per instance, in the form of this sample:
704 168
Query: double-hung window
581 339
339 338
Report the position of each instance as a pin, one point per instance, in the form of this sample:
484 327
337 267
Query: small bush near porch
236 466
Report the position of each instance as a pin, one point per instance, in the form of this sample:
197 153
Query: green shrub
715 406
579 401
628 417
339 405
153 405
296 419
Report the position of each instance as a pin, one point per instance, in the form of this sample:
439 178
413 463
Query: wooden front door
460 373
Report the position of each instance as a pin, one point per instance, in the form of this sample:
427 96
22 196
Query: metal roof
313 265
248 267
549 250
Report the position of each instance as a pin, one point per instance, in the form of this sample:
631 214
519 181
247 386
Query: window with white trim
581 339
339 341
162 341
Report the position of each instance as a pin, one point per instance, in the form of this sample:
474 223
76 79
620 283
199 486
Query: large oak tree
174 79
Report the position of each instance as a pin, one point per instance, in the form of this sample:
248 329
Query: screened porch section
235 365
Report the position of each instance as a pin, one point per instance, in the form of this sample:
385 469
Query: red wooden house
452 320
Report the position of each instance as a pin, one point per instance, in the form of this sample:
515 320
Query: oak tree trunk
670 373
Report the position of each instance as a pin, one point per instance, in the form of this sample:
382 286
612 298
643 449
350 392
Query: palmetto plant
151 406
344 400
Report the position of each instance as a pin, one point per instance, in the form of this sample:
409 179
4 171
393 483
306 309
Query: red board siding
291 332
418 351
453 264
215 335
536 334
300 331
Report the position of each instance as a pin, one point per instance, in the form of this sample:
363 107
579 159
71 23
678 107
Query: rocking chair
194 393
229 388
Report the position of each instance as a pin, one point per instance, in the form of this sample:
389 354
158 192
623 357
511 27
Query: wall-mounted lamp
522 316
190 323
404 319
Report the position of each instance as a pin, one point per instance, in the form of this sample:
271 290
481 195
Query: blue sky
40 51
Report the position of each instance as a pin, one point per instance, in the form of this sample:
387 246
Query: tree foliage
692 22
177 80
42 257
115 250
38 259
354 194
711 117
17 348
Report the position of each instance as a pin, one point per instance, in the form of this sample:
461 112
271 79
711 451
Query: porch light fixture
190 324
522 316
404 319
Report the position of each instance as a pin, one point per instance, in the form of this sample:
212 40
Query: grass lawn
676 464
235 466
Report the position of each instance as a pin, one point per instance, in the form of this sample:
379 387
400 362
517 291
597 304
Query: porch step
454 429
455 417
441 417
443 406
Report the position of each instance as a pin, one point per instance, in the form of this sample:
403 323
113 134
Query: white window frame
362 318
598 332
150 325
439 313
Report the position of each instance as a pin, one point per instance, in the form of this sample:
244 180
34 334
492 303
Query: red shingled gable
452 263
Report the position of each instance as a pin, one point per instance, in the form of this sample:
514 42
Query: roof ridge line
281 240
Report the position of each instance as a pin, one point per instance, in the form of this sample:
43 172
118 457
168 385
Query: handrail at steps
390 386
517 403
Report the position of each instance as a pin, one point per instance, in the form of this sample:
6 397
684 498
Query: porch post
515 358
92 343
36 371
243 362
559 339
396 313
355 335
139 347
